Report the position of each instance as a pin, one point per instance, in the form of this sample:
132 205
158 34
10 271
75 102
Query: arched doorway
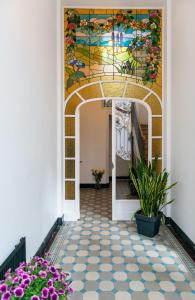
98 91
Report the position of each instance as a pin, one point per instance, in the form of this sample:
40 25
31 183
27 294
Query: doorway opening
113 136
94 155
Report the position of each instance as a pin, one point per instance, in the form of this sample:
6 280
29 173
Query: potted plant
36 280
133 191
98 174
151 188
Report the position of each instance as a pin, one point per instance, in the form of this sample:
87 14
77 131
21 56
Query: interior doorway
113 135
94 157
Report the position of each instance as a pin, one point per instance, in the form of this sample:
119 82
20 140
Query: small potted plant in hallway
152 189
98 174
36 280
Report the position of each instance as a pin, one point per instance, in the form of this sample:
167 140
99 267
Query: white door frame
118 211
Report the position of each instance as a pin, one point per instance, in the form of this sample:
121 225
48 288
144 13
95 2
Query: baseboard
92 185
13 261
50 237
119 177
184 239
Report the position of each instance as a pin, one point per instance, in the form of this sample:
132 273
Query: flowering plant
37 280
98 173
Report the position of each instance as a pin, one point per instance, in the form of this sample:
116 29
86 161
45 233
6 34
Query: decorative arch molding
108 90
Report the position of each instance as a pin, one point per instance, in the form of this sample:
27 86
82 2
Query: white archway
124 206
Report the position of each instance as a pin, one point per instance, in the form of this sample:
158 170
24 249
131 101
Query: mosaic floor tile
108 260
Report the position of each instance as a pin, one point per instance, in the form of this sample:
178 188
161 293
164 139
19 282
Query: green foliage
69 83
69 70
74 76
77 75
152 188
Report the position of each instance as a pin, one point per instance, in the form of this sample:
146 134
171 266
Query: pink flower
147 43
71 291
54 296
154 49
70 41
25 276
19 292
50 282
45 263
15 280
35 297
43 274
72 26
154 14
3 288
52 270
61 291
26 281
153 75
6 296
45 293
52 290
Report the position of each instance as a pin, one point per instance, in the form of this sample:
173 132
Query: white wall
183 111
114 3
27 122
94 140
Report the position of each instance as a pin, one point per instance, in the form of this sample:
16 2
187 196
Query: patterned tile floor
108 260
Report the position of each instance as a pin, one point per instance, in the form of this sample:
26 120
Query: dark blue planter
147 226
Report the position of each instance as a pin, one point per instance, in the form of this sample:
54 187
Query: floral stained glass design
112 42
111 53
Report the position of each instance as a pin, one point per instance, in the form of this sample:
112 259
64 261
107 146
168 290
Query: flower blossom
19 292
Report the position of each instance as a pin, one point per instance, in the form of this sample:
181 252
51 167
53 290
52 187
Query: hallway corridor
108 260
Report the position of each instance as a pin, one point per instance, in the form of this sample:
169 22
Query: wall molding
120 177
50 237
92 185
187 243
13 261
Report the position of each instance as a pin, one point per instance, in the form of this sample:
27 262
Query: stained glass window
112 42
121 46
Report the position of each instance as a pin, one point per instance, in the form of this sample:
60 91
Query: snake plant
152 188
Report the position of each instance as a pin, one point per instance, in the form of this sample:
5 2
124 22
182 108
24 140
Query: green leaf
77 75
69 83
69 70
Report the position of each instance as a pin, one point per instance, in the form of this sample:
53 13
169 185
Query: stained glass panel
136 92
154 105
69 190
72 105
69 147
91 92
69 169
70 126
157 147
112 42
113 89
159 165
157 126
